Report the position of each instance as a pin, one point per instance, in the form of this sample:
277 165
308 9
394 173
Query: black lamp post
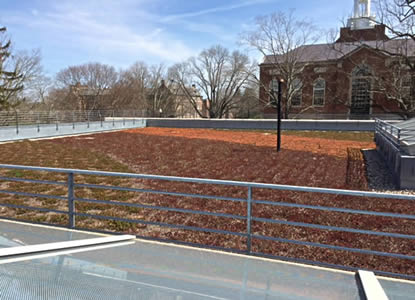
280 82
276 85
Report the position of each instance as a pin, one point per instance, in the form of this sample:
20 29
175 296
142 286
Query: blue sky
120 32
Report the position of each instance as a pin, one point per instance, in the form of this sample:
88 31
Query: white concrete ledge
31 249
371 286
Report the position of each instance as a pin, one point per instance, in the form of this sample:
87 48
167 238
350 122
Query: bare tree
218 74
248 105
130 90
32 78
281 38
88 86
161 92
146 88
398 16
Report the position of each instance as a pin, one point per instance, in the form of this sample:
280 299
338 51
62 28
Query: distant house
358 76
87 98
171 100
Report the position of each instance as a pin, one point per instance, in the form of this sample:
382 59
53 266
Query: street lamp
160 112
276 85
280 82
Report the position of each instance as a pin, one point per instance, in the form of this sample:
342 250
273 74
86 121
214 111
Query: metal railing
248 216
21 118
394 133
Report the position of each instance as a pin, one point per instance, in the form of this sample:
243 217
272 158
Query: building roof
335 51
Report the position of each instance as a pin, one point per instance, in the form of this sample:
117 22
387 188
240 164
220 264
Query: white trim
371 286
62 252
21 250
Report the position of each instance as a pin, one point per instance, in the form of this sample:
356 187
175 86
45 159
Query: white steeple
362 16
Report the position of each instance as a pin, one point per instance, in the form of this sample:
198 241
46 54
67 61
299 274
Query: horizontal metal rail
246 216
336 209
125 189
332 247
33 208
334 228
32 181
162 224
179 210
33 195
216 182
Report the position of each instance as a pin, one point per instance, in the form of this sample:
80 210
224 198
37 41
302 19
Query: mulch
251 156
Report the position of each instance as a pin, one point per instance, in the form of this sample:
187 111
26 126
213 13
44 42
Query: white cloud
213 10
102 27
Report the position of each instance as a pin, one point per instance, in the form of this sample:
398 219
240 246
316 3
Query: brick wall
337 75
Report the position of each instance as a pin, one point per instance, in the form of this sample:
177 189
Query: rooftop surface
149 270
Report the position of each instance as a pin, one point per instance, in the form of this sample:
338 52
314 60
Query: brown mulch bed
231 155
356 177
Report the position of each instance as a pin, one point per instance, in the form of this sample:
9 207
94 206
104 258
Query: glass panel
320 84
154 271
318 98
15 234
318 92
398 290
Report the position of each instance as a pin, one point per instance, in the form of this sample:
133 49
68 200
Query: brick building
361 75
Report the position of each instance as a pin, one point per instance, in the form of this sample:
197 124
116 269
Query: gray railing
394 133
21 118
71 185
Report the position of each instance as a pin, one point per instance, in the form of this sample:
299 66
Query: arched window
319 91
361 90
297 90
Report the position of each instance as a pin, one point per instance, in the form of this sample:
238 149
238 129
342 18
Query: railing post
17 122
73 120
56 117
38 122
71 205
248 220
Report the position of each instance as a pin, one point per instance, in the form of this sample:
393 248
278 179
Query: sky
121 32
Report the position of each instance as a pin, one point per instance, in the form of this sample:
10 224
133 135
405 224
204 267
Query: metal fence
396 133
249 203
20 118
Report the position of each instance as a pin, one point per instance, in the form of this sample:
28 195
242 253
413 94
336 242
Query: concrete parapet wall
265 124
62 129
402 166
407 172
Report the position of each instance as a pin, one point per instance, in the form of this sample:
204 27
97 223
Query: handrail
214 181
246 215
399 137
